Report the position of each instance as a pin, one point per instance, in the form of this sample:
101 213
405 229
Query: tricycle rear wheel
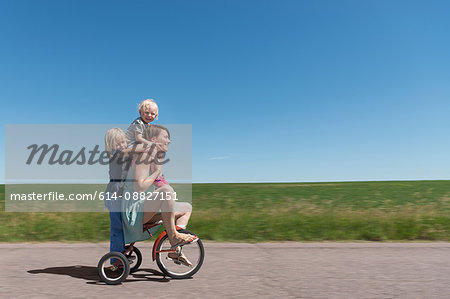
116 273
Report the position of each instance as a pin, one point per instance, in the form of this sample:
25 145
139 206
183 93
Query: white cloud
219 158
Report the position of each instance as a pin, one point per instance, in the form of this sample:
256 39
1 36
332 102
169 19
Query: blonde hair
111 138
154 131
147 103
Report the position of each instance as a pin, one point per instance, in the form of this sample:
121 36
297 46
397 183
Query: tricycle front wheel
194 252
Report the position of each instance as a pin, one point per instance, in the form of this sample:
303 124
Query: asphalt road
300 270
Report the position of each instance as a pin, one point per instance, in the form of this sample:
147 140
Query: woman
160 205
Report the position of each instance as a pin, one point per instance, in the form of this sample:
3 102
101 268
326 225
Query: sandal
193 239
180 260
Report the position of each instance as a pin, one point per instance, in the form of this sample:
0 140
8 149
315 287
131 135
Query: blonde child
116 147
148 112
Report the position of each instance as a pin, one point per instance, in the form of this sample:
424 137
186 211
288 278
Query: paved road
302 270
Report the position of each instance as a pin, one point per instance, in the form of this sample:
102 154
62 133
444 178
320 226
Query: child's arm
140 139
138 148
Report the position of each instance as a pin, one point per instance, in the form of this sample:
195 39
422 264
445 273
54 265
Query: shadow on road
90 273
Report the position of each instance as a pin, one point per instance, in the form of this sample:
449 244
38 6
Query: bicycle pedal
173 260
131 259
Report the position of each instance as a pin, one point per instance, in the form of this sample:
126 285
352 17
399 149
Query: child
148 111
116 147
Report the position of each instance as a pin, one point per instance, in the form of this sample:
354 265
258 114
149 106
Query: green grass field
373 211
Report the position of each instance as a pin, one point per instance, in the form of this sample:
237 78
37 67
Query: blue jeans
116 242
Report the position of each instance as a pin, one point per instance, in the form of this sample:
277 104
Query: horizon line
288 182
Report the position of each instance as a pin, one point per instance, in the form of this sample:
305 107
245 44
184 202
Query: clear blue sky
274 90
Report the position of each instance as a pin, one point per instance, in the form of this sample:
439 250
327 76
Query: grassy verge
373 211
